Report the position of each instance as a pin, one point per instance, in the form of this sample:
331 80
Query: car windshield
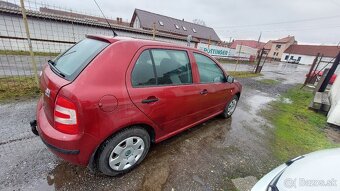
74 60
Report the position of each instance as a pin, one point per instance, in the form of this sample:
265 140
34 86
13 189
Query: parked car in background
318 74
106 99
293 61
315 171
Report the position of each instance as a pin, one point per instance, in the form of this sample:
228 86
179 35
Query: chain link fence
50 31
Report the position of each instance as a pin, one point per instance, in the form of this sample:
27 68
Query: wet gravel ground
205 157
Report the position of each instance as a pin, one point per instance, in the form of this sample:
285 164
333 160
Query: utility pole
34 64
154 31
239 54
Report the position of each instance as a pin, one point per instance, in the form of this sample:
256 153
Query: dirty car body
107 98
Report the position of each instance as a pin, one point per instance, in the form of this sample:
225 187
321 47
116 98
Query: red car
318 73
106 99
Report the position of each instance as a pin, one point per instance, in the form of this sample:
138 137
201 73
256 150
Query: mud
206 157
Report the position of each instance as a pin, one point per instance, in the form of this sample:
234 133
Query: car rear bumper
76 149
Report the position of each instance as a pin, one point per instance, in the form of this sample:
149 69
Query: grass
298 130
243 74
269 81
17 88
21 52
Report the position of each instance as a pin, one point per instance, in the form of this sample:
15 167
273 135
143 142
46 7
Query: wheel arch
148 128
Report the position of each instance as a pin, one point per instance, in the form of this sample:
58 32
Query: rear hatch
64 69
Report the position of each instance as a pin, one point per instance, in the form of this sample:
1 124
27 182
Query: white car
317 171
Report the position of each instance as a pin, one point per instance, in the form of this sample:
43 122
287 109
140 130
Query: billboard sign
213 50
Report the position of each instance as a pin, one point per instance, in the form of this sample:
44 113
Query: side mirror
230 79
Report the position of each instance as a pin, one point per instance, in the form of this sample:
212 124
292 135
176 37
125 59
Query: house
148 21
305 54
279 46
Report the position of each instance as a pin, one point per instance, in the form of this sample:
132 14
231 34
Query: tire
123 152
228 112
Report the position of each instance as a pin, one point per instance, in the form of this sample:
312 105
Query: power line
281 22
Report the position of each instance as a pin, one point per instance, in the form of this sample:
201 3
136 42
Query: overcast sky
310 21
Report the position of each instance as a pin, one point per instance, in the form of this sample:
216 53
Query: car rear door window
172 67
143 73
208 70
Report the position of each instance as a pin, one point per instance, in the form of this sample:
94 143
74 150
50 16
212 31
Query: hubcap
126 153
231 107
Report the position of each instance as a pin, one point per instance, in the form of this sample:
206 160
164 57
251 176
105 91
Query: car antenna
114 33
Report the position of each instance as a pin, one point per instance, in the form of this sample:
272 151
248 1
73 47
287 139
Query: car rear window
74 60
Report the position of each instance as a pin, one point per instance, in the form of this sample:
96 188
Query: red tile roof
250 43
313 50
268 45
284 40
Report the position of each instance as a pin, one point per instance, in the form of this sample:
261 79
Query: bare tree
199 22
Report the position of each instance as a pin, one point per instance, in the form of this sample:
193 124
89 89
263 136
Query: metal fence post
34 64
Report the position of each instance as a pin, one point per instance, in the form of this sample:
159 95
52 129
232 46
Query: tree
199 22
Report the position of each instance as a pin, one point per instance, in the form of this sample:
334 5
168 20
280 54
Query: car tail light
65 116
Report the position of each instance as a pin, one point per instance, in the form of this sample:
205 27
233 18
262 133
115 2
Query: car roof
140 42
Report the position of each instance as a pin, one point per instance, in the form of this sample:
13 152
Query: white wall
244 51
334 95
305 59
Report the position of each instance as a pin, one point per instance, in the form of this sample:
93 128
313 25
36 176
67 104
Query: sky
310 21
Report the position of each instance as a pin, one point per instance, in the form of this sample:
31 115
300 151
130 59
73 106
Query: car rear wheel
124 151
230 108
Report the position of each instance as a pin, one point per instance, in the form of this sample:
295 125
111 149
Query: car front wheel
124 151
230 108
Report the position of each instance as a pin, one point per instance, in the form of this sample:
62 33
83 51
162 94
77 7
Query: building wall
334 95
12 26
136 23
275 52
305 59
245 51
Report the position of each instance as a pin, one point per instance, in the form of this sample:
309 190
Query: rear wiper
55 69
68 53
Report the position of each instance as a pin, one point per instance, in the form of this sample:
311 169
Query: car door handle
204 92
150 100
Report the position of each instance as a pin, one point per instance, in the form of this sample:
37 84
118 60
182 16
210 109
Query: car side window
208 70
172 67
143 73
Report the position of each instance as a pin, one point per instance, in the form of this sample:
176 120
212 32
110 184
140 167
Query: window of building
194 30
286 57
184 28
161 23
299 58
208 70
177 27
278 46
170 66
291 57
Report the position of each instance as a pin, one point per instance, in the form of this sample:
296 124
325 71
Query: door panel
212 79
170 100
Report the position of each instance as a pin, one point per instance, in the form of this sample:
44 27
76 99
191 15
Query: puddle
205 157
